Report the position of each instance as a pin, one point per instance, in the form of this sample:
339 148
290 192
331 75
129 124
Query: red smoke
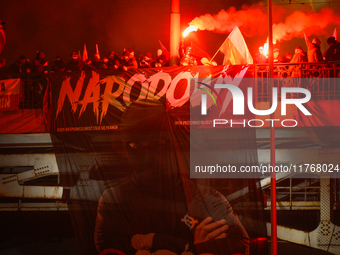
311 23
253 21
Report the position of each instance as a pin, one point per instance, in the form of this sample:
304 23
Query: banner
122 144
84 101
9 94
92 101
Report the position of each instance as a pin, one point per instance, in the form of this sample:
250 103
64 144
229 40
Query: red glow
189 29
261 239
264 49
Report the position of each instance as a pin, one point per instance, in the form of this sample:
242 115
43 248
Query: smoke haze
61 27
253 21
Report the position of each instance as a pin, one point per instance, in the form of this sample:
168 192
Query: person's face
144 151
276 54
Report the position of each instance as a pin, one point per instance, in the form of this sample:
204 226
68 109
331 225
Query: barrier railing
291 75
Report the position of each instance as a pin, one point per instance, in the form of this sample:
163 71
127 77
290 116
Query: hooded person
3 67
276 56
314 52
76 64
128 62
58 65
333 51
98 63
145 61
299 57
161 59
21 65
157 209
287 57
114 61
39 63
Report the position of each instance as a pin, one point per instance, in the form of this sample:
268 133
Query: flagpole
175 35
273 215
218 50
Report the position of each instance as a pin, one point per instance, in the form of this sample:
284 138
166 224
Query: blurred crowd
34 85
113 61
127 60
313 53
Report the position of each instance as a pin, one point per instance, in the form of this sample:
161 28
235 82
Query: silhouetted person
314 52
333 51
158 209
58 65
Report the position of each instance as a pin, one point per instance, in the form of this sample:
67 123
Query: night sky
61 27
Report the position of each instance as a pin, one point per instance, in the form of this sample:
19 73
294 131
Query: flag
2 37
198 52
85 56
308 43
97 49
9 94
165 51
335 34
235 49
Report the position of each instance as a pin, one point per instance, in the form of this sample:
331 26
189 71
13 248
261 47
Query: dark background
61 27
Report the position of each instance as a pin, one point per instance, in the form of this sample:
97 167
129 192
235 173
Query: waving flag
165 51
198 52
335 34
85 56
308 42
235 49
2 37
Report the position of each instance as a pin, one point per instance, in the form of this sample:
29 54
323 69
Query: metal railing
318 78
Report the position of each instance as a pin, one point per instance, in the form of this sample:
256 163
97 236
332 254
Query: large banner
93 101
122 144
9 94
234 98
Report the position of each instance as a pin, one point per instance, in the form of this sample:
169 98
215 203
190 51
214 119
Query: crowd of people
114 61
127 60
313 53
